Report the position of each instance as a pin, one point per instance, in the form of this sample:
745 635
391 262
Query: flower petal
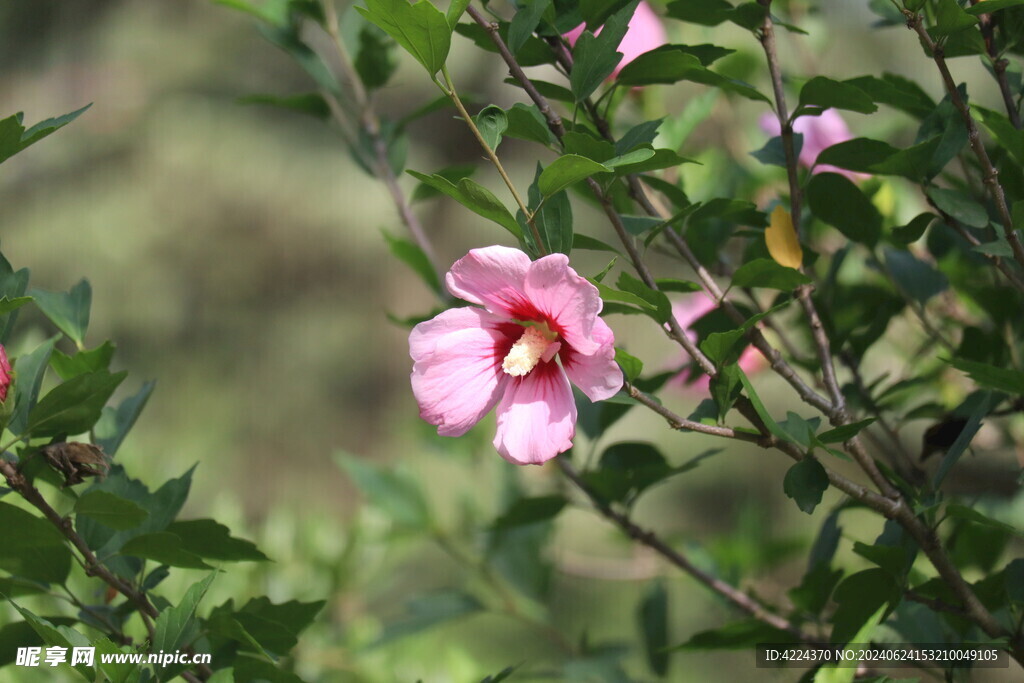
492 277
457 377
536 417
566 301
597 375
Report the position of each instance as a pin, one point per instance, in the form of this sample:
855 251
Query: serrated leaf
845 432
631 365
212 540
177 627
14 138
74 406
165 548
420 28
805 483
32 548
69 311
115 423
31 368
82 362
492 124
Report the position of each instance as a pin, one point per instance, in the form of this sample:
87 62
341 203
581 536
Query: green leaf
836 200
82 362
530 511
55 635
474 197
277 626
912 231
672 66
273 12
595 57
430 610
69 311
990 6
552 218
653 616
414 257
805 483
7 304
312 104
860 597
960 206
631 365
981 409
375 60
525 22
950 18
827 93
767 273
110 510
177 627
774 154
420 28
31 367
992 377
896 91
626 470
739 635
165 548
761 411
14 138
525 122
492 123
114 424
394 492
705 12
845 432
74 406
918 279
566 170
162 505
455 11
835 673
656 301
211 540
32 548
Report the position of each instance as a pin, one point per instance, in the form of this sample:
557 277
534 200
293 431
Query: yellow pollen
526 352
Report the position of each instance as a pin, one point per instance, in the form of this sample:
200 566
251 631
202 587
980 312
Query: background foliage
235 256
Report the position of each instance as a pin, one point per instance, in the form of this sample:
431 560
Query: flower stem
449 90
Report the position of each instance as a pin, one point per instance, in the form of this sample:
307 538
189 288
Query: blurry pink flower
689 311
645 33
467 360
820 133
5 375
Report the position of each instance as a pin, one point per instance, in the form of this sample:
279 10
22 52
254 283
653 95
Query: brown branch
370 125
986 22
733 595
990 174
93 567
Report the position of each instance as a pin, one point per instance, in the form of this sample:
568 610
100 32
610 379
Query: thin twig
370 124
648 538
93 567
990 174
986 22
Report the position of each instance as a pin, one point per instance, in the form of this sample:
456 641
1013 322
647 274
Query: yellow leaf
781 240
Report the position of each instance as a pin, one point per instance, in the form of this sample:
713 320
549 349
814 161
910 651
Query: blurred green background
236 257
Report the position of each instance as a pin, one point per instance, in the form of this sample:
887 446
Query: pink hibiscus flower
5 375
469 360
644 33
820 133
690 310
